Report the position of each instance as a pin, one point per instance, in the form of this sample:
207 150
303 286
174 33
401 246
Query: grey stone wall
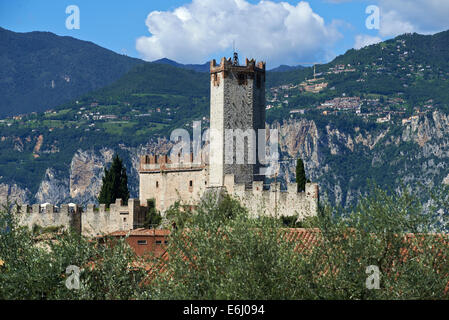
274 202
91 222
47 215
167 187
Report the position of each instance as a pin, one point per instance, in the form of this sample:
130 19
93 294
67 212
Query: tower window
141 242
190 183
157 184
216 80
241 78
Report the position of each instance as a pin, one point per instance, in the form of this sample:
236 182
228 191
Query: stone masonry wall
68 217
90 223
118 217
237 102
273 202
169 186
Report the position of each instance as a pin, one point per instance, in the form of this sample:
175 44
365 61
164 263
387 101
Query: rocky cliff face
81 183
342 160
339 159
86 173
13 193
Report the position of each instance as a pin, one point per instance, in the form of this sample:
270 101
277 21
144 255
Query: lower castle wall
98 221
273 202
168 187
93 222
67 217
118 217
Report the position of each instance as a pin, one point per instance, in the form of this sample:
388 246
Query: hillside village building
237 103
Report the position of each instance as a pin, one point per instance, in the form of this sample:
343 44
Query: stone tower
237 102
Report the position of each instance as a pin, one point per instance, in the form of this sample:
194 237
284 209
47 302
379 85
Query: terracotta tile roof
141 232
305 238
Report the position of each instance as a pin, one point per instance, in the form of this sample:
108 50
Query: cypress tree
115 183
300 175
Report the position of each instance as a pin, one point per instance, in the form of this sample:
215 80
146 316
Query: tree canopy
300 175
115 183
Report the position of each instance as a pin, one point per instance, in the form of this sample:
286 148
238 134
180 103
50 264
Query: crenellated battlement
158 163
102 220
67 216
90 222
273 201
250 66
47 208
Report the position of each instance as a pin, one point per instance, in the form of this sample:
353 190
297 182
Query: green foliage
390 231
244 258
50 229
228 208
37 269
216 257
300 175
153 217
293 222
115 183
178 215
221 256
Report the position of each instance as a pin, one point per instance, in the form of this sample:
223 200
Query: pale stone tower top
237 102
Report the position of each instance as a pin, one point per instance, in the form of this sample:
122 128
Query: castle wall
167 187
94 221
167 181
273 202
98 221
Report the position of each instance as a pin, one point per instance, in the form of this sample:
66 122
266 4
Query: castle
232 164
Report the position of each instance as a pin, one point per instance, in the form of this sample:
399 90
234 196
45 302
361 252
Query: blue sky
308 31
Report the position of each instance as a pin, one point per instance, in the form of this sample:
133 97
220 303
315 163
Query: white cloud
422 16
363 40
278 32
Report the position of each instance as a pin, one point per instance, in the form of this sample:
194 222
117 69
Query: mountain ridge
41 70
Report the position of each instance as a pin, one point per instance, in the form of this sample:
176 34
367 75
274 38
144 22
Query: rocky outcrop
13 193
86 173
342 160
54 188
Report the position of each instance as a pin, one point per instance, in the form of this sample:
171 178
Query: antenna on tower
236 55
